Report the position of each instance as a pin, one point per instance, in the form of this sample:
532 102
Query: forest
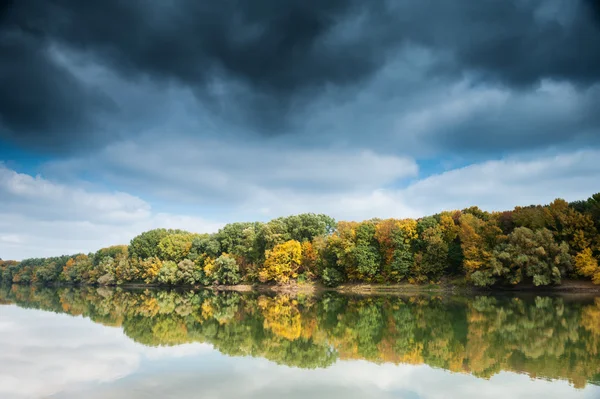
539 245
543 337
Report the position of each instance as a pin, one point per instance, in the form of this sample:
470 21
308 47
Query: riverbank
446 286
443 287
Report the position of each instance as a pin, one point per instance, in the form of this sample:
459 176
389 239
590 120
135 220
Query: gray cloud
264 64
552 114
205 172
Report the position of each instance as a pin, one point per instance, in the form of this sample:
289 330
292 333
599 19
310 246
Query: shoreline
313 288
446 287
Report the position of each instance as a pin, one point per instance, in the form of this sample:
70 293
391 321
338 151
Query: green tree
145 245
188 272
432 259
366 251
168 273
395 239
227 270
528 256
175 247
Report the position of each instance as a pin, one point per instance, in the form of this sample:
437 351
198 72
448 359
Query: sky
121 116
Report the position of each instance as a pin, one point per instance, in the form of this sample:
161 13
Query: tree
432 259
478 239
275 232
127 269
175 247
77 270
106 271
149 269
204 245
227 270
111 252
530 255
282 262
449 223
395 239
188 273
310 258
307 226
593 209
329 268
448 226
533 217
366 251
570 226
339 250
168 273
44 274
209 269
145 245
243 240
586 265
332 277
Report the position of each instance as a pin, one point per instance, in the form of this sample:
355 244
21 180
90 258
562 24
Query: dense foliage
545 337
538 245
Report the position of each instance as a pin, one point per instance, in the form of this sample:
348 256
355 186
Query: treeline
544 337
541 245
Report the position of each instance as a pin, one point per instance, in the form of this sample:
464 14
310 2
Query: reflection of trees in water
545 337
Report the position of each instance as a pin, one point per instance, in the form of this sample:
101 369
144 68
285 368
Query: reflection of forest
544 337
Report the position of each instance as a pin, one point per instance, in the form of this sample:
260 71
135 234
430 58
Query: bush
332 277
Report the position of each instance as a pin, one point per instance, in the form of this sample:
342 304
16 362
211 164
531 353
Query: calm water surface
104 343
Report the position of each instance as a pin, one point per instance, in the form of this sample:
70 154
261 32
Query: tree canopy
537 244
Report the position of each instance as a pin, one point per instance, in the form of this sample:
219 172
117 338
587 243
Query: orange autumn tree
309 259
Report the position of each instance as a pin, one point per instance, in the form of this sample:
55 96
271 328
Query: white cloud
39 217
43 353
37 361
252 378
492 185
25 192
503 184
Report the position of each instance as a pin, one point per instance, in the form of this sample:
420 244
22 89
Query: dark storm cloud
41 100
281 52
558 117
271 47
521 42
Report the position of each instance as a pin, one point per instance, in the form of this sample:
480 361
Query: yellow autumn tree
478 238
149 268
449 228
209 268
587 266
282 262
309 259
